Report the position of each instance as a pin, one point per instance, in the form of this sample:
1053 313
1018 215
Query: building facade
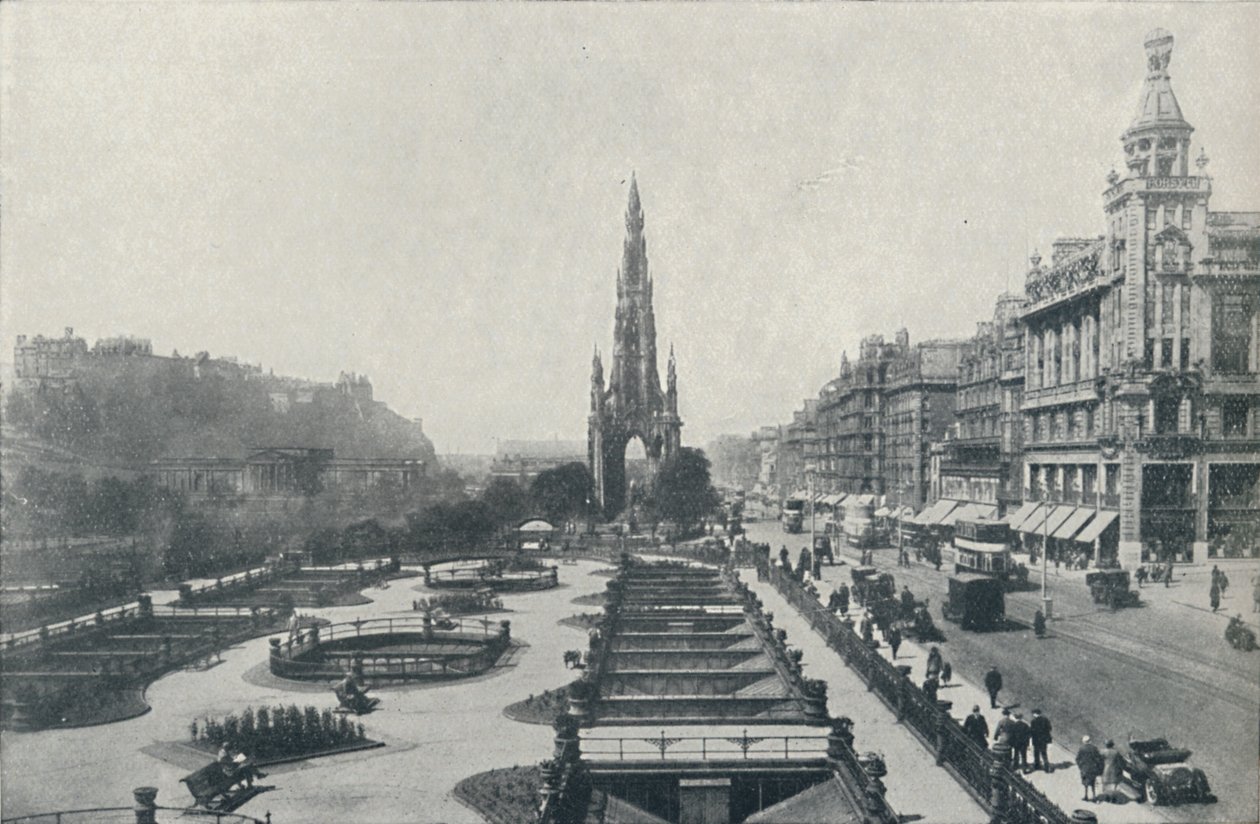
918 408
981 459
1142 356
283 472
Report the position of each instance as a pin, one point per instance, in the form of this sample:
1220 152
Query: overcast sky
434 194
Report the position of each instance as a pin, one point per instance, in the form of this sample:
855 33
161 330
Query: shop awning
1033 522
1101 521
963 511
1073 524
1020 515
1056 519
883 512
799 495
903 513
866 500
988 511
937 511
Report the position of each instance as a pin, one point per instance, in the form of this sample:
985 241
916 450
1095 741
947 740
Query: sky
434 195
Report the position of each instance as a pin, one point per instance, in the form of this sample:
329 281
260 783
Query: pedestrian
934 662
1167 574
295 626
894 641
1089 761
1039 732
947 672
817 567
1224 582
1255 594
1216 575
1140 575
1002 732
1020 734
976 728
907 602
1111 766
930 687
843 592
868 632
992 683
1039 624
1214 596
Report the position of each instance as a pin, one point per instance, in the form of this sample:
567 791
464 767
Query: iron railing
705 748
933 725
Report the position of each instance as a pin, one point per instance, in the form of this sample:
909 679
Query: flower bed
504 796
539 709
582 621
595 599
279 733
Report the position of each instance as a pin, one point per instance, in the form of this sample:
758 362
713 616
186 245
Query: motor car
1160 775
1110 587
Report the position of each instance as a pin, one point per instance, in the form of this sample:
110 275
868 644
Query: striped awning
1073 524
1095 528
988 511
1017 518
963 511
1034 521
937 511
1056 518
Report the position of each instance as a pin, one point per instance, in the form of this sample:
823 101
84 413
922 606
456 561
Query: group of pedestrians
1017 734
1094 764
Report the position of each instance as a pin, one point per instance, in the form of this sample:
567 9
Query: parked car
1161 775
1111 588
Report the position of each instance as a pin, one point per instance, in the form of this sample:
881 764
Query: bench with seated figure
355 701
212 787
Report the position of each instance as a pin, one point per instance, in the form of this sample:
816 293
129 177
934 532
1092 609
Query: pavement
1162 669
435 734
916 787
1063 785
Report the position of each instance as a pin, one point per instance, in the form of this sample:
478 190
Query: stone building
918 407
523 460
850 418
283 472
981 460
798 447
1142 361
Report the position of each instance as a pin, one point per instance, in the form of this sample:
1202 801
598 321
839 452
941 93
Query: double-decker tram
981 546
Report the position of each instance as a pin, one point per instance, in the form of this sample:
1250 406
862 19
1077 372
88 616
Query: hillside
136 409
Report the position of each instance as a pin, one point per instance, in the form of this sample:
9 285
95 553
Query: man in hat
1019 736
993 683
1039 731
976 727
1002 731
1090 762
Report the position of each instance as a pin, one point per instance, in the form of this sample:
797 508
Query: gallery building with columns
1141 401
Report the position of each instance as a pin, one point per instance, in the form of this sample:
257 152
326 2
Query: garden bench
212 782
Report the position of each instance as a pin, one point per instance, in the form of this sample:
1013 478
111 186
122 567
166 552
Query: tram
982 547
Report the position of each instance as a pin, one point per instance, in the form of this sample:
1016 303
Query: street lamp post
1047 603
809 480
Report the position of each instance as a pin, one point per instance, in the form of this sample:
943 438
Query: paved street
1160 670
436 735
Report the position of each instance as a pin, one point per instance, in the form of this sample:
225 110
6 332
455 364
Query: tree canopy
683 491
564 491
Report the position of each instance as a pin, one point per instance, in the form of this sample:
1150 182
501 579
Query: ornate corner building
1142 370
632 405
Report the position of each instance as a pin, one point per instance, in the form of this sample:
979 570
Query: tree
563 491
506 501
683 492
